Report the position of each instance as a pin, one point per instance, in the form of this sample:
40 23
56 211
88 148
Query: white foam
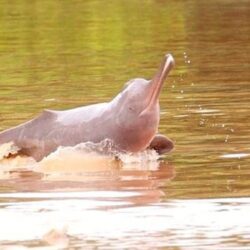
84 157
144 156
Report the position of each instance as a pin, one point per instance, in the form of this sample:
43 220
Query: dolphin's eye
131 109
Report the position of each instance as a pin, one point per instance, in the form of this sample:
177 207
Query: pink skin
130 120
138 112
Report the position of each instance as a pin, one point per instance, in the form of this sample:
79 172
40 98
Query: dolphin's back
81 115
43 134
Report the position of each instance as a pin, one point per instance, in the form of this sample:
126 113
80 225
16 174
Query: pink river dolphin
130 121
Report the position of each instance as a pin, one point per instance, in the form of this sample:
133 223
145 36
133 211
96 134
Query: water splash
84 157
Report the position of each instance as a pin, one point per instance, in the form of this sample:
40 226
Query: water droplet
226 140
202 121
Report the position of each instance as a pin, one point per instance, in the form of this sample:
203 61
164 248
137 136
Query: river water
64 54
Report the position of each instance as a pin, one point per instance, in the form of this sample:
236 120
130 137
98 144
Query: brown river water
64 54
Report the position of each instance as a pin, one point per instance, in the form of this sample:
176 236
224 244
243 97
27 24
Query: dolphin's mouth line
158 80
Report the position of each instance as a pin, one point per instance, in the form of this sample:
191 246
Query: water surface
60 54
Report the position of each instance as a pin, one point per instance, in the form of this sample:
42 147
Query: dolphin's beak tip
170 60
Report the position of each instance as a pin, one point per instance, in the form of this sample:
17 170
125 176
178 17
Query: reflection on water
96 218
71 169
58 54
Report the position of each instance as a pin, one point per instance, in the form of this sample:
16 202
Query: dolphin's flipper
161 144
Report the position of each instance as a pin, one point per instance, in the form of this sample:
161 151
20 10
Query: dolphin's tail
8 142
8 149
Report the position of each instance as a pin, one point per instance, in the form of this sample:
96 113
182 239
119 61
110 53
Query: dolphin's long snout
159 78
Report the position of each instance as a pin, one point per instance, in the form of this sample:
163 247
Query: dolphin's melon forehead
137 81
134 87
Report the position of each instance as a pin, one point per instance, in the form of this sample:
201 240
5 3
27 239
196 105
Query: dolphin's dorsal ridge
48 113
